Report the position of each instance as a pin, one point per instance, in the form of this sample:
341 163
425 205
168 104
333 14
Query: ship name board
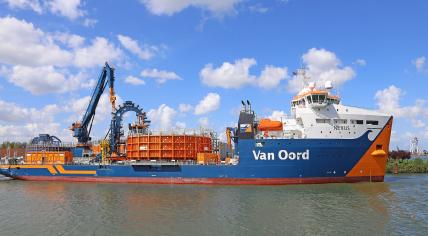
281 155
342 127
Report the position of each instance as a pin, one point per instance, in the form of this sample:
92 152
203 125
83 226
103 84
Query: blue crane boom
82 130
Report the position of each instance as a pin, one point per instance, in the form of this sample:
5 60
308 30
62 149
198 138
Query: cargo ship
321 141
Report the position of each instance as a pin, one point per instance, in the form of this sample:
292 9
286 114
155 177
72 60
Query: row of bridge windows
344 121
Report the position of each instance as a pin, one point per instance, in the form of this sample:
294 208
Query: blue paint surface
327 158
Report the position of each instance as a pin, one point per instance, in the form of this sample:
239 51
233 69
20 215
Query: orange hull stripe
371 164
75 172
50 168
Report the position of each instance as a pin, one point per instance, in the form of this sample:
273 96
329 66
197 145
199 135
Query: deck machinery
82 129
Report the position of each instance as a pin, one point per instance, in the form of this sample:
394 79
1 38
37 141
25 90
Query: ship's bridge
314 98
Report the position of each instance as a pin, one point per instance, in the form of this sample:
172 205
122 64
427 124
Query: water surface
397 207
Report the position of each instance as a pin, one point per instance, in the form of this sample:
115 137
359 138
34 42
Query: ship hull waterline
322 161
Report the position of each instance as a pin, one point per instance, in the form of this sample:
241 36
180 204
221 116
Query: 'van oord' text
281 155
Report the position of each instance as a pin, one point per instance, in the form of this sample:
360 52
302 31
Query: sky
189 63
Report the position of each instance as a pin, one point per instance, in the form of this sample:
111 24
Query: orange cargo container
208 158
172 147
269 125
49 157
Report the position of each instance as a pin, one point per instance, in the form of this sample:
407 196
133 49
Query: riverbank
409 166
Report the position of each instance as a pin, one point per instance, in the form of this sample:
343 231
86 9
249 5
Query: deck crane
82 129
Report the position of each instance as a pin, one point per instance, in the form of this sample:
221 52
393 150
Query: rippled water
397 207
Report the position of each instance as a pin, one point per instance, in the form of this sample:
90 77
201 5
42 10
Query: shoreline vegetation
400 162
409 166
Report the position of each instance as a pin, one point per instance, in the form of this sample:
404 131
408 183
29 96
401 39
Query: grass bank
409 166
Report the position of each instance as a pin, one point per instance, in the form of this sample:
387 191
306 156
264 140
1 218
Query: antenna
302 73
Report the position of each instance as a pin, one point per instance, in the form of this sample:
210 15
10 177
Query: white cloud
258 8
229 75
67 8
388 101
88 22
27 131
162 117
204 122
167 7
28 45
71 40
360 62
13 113
322 66
96 54
209 103
25 4
420 63
145 53
278 115
161 76
418 123
180 125
184 108
70 9
46 79
22 123
236 75
134 80
77 108
271 77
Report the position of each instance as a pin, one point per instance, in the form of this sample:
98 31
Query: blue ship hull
264 161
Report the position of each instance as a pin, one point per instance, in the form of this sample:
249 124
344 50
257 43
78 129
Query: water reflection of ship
375 193
54 192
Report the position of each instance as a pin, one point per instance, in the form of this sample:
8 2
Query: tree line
12 145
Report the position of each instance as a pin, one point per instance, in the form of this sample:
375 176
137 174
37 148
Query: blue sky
207 56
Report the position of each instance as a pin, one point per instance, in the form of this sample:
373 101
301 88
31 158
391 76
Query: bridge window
315 98
294 103
372 122
358 122
318 98
323 121
309 99
321 98
340 121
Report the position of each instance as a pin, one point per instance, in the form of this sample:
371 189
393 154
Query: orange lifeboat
270 125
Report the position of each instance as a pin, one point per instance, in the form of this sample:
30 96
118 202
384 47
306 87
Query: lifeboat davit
269 125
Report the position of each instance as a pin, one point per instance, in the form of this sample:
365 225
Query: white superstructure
316 113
